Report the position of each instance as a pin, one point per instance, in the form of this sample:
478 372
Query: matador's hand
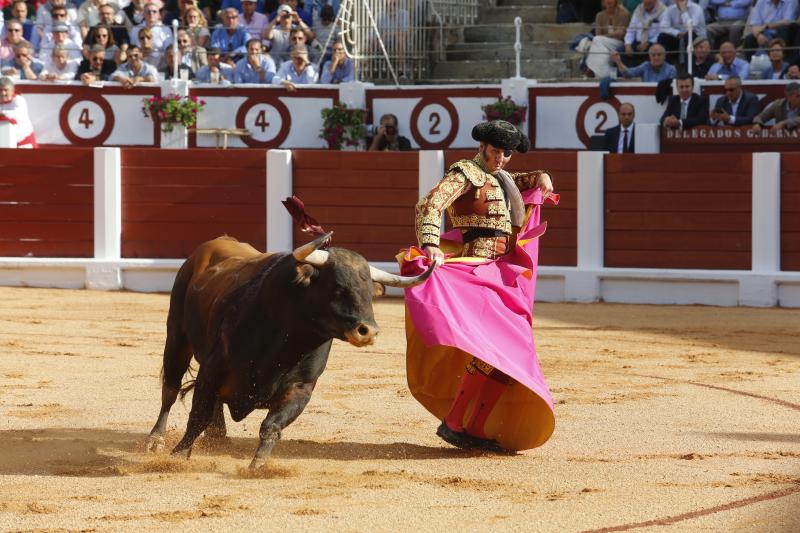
545 183
435 254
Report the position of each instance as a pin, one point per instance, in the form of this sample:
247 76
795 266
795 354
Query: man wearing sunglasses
486 205
97 68
736 107
135 71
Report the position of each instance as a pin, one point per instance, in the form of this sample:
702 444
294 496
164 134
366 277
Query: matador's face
495 158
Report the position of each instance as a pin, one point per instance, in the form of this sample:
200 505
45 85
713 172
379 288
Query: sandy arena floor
679 416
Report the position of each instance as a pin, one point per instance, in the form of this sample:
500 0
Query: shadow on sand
91 452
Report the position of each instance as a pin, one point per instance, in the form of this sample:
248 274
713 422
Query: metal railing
396 40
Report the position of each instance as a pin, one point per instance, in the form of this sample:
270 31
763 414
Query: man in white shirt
297 71
59 67
135 71
675 22
643 28
59 36
162 36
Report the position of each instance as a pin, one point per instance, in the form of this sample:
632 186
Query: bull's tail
186 387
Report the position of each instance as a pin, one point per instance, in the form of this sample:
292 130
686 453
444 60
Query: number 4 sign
86 120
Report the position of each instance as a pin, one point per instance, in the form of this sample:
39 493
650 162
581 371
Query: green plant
342 126
173 110
505 109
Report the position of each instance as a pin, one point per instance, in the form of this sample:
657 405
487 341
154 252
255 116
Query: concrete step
505 51
491 33
507 14
530 68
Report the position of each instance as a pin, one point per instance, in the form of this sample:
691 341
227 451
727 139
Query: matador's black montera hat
501 134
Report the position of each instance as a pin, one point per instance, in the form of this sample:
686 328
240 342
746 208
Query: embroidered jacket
472 197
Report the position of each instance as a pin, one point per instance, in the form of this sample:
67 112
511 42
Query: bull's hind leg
293 398
177 357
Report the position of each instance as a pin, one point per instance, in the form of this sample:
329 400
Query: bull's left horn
308 253
403 282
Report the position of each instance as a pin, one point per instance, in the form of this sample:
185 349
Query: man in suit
686 109
785 111
619 139
737 107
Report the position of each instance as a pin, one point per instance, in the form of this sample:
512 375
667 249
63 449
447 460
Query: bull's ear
378 290
305 274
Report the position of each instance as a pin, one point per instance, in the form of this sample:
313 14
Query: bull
261 326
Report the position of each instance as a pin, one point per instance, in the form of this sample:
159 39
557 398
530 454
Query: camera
285 16
390 130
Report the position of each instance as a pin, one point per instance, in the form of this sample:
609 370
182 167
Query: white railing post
105 274
175 61
760 288
279 187
584 284
431 170
518 43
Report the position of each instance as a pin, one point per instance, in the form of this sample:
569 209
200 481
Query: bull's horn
308 253
403 282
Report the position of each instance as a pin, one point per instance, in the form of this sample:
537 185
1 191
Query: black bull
261 328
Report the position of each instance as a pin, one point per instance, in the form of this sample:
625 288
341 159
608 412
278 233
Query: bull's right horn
308 253
403 282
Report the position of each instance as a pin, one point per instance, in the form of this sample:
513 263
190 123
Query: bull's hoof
257 463
182 454
155 444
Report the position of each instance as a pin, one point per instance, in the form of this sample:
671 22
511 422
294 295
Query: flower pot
175 139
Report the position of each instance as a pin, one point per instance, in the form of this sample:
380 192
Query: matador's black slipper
462 439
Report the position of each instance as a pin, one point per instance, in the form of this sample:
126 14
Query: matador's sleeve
428 222
527 180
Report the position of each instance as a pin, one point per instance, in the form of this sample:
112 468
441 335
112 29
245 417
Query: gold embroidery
494 194
480 366
472 171
477 221
429 209
497 208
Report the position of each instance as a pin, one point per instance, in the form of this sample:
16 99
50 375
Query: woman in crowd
103 36
610 26
196 25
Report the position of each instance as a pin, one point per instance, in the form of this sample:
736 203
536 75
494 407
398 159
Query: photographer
278 32
386 136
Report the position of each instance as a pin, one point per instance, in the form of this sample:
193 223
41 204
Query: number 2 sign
434 122
595 116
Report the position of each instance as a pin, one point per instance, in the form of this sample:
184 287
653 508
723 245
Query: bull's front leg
293 398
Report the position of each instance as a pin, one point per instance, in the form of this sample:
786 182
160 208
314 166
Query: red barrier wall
790 212
667 211
173 200
559 246
47 198
366 198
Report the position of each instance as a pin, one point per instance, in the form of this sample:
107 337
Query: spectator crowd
655 40
272 42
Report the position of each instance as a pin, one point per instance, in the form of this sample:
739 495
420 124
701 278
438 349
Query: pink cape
482 308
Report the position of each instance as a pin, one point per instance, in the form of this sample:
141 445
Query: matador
486 206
